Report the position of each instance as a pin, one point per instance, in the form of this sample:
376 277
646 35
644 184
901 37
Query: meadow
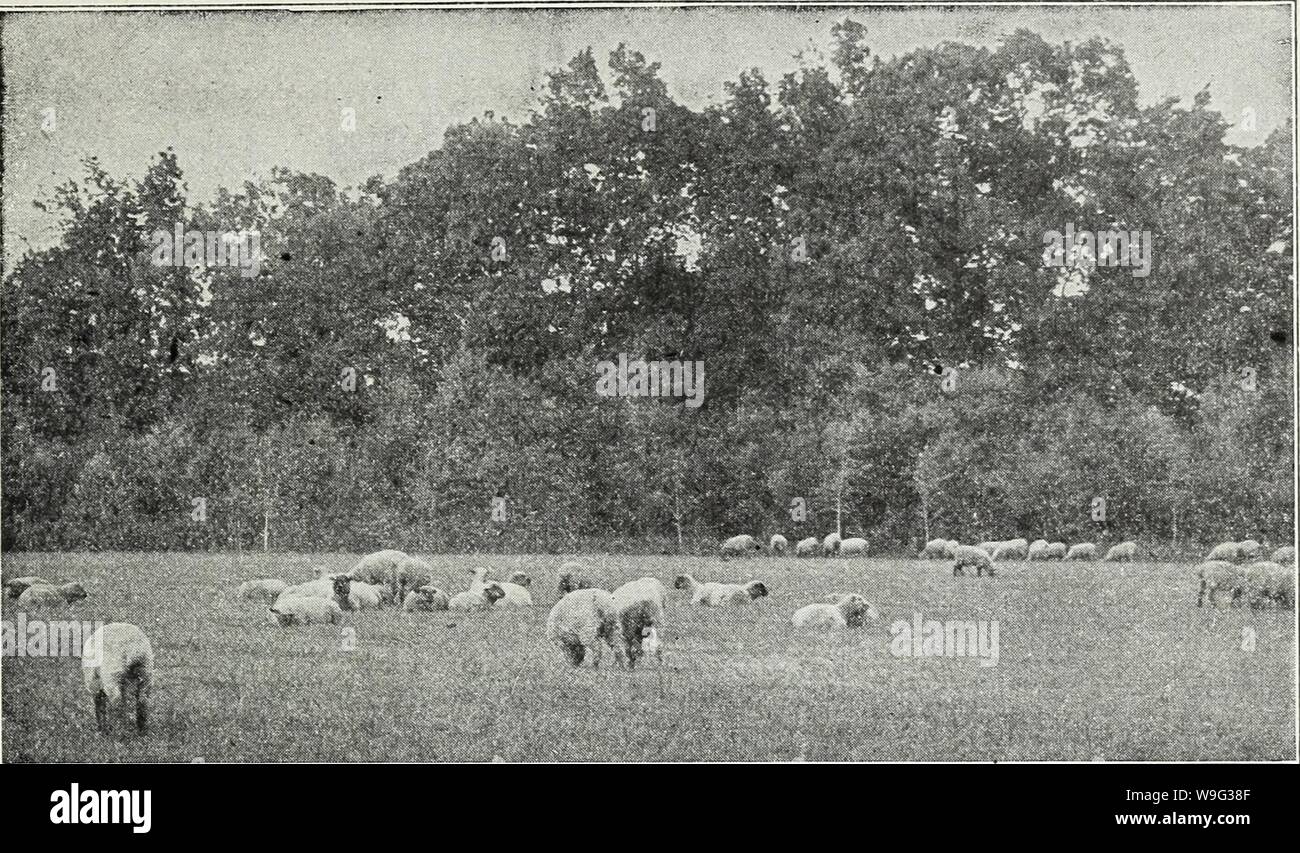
1096 661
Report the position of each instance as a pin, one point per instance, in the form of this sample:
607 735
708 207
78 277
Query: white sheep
16 586
426 598
1124 551
364 596
989 547
41 594
640 606
332 587
580 621
1284 556
854 546
1218 576
830 544
651 645
1012 549
1226 551
574 576
117 664
1081 551
1038 549
970 556
410 573
266 589
739 546
850 611
305 610
379 567
474 600
778 544
1055 551
806 547
514 595
1249 549
933 550
715 594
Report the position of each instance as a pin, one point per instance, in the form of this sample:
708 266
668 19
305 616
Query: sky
236 93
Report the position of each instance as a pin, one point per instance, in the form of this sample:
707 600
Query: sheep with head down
573 576
740 546
581 622
971 557
933 550
1081 551
778 544
1038 549
1123 552
806 547
1266 582
849 610
1249 549
1284 556
640 606
1055 551
1228 552
831 544
1012 549
854 546
1217 579
117 667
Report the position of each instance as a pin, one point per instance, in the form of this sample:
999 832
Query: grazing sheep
474 600
933 550
335 587
426 598
849 612
969 556
364 596
1012 549
950 550
411 573
715 594
806 547
1124 551
1081 551
989 548
778 544
267 589
1226 551
830 544
572 576
1284 556
42 594
1219 576
739 546
16 586
854 546
1249 549
640 605
1038 549
1055 551
1281 586
580 621
305 610
117 664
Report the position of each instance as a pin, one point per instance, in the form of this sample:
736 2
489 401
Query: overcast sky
236 93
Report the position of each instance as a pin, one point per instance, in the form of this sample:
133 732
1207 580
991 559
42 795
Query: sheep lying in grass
266 589
364 596
117 666
17 586
778 544
854 546
1123 552
969 556
573 576
806 547
46 595
934 550
305 610
1225 551
740 546
830 544
1284 556
515 594
477 600
1054 551
1217 577
426 598
850 611
640 605
715 594
580 621
332 587
1081 551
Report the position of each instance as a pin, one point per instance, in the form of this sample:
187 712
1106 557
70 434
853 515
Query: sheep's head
857 609
493 593
757 589
683 582
565 585
284 619
73 591
342 587
521 578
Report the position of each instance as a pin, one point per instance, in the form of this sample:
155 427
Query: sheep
778 544
950 549
379 567
304 610
1081 551
1124 551
473 600
934 549
514 595
410 573
806 547
1249 549
580 621
640 608
42 594
16 586
850 611
1226 551
715 594
989 548
738 546
116 662
266 589
1037 550
1012 549
521 578
426 598
1284 556
335 587
830 544
1219 576
854 546
1281 585
1055 551
364 596
973 557
573 577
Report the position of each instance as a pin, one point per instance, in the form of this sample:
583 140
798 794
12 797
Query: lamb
1038 549
573 577
850 611
830 544
364 596
969 556
1284 556
1055 551
1219 576
266 589
426 598
1081 551
640 608
16 586
580 621
1124 551
738 546
1226 551
715 594
806 547
934 549
41 594
305 610
475 600
778 544
116 664
1012 549
1249 549
854 546
335 587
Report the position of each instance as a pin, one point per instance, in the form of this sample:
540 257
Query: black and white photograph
647 383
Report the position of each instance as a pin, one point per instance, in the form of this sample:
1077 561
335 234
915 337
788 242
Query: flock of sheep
117 660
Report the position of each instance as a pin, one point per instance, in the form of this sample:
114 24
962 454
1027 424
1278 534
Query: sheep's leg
575 653
101 711
142 705
1200 599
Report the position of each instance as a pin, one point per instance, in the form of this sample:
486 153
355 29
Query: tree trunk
266 529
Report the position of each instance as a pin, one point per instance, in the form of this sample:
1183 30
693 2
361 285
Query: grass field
1096 662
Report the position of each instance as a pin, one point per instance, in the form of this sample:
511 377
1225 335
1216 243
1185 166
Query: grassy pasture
1096 661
